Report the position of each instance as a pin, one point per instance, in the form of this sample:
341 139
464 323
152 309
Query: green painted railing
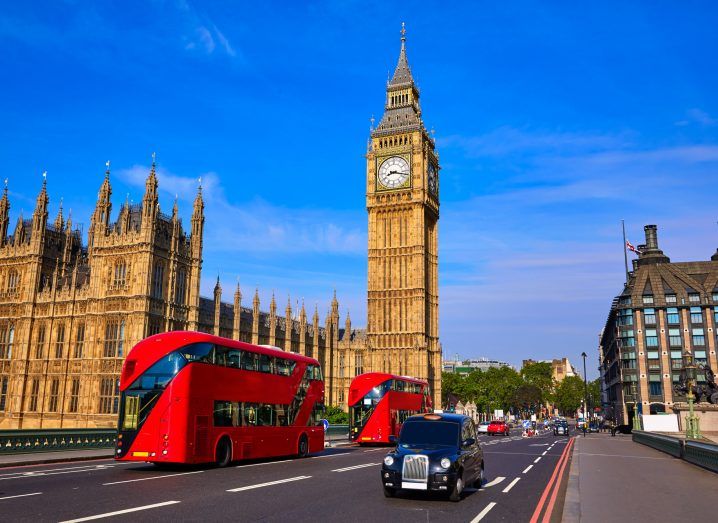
24 441
660 442
701 453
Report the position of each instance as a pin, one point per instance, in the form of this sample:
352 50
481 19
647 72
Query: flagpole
625 254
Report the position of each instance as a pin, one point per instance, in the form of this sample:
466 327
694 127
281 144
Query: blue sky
553 123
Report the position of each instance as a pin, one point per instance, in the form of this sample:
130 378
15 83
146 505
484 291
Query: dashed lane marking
483 513
269 483
153 477
54 473
22 495
537 459
38 472
345 469
265 463
511 485
544 452
118 512
329 455
527 469
495 481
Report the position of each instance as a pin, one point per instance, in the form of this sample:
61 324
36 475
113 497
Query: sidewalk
615 479
36 458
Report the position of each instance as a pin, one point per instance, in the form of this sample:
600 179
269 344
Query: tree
540 375
527 398
594 393
569 394
336 416
451 384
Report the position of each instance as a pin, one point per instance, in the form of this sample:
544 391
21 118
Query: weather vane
200 182
154 157
107 164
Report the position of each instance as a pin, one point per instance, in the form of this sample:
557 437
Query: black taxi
434 452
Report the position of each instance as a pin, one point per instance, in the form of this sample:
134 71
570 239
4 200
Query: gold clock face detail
394 172
433 181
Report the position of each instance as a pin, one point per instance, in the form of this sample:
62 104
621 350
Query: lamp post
585 393
692 428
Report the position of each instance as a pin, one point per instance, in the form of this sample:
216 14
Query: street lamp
692 429
585 393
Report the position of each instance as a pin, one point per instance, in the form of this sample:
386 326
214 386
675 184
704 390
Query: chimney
650 253
651 237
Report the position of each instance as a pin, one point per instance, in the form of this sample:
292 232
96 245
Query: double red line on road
553 485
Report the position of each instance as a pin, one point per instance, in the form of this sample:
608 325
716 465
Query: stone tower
402 197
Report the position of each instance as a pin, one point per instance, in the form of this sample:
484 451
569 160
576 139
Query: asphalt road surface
340 483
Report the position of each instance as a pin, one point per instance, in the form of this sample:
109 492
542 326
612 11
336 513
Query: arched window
114 338
13 281
120 279
158 280
7 336
181 287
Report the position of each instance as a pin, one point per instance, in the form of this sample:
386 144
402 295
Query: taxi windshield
429 433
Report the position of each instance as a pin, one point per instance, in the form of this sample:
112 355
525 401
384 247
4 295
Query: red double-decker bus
379 403
189 397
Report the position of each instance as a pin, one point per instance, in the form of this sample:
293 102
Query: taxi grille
416 468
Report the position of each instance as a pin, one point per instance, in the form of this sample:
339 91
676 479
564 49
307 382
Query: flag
631 248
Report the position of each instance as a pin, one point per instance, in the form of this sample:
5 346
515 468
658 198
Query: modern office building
666 308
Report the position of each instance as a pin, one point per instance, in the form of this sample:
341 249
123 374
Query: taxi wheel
455 494
480 480
389 492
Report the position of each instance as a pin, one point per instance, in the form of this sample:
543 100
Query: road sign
325 424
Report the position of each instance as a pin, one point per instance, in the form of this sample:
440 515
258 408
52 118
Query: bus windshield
429 433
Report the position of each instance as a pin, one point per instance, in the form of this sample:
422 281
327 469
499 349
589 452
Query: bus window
265 416
249 361
266 363
220 355
282 417
249 416
234 357
198 352
317 373
317 414
284 367
222 413
159 374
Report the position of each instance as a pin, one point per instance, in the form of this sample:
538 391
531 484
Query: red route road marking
544 495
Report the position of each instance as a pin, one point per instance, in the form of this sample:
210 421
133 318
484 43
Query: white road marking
153 477
538 444
495 481
375 450
483 513
544 452
537 459
265 463
330 455
527 469
355 467
22 495
40 472
35 474
510 485
118 512
259 485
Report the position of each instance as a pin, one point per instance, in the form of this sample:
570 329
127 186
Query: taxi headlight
388 461
445 463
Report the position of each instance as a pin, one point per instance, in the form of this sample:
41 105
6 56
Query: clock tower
402 198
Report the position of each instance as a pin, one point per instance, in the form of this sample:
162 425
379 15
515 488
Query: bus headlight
388 461
445 463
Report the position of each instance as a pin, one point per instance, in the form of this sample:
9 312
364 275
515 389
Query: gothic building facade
70 311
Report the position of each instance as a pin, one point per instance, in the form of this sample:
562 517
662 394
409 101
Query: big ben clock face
433 182
394 172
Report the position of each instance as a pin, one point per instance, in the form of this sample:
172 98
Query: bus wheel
224 453
303 448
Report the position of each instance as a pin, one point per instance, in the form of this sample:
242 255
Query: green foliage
539 375
594 393
569 394
335 415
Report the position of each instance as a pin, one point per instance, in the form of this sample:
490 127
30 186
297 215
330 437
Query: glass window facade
625 317
651 338
699 338
674 338
696 315
672 316
694 298
647 299
671 298
649 316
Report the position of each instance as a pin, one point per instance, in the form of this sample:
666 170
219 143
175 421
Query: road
340 483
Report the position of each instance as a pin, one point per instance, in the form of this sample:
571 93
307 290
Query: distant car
580 422
498 427
593 426
435 452
483 427
560 428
